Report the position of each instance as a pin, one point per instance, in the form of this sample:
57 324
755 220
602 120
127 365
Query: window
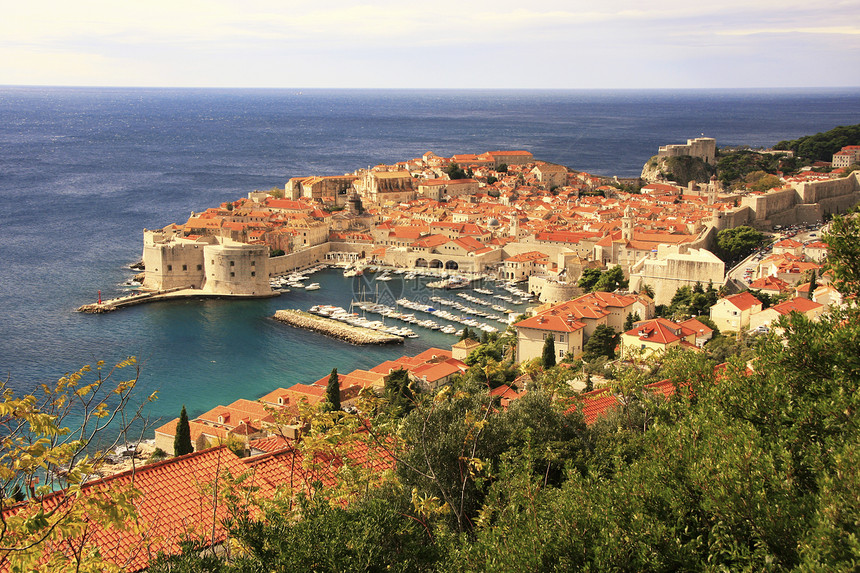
253 263
184 267
253 274
169 267
232 263
199 267
232 274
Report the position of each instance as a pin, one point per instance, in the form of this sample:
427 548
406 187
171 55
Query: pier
110 305
335 329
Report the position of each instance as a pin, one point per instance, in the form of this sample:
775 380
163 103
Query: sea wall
551 291
288 263
335 329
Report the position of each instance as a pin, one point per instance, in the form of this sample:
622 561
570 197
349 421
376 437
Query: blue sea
84 170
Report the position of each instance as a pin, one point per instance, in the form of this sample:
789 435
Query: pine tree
182 440
548 358
332 391
813 284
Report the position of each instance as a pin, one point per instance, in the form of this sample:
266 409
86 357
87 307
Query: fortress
806 202
705 148
212 265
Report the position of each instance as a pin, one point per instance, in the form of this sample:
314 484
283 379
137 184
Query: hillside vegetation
753 466
822 146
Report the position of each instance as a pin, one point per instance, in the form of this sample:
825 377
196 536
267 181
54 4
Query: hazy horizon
331 44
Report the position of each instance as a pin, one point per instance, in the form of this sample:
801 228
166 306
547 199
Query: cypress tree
332 391
813 284
548 358
182 440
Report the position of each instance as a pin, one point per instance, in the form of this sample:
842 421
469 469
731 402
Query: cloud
162 40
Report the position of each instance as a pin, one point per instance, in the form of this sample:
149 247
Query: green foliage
400 392
735 244
843 242
276 252
611 280
548 354
182 439
332 392
502 168
734 167
491 179
760 181
602 342
375 534
822 146
44 464
630 321
690 302
454 171
606 281
276 193
588 279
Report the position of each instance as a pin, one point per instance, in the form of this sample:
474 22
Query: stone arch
421 262
452 265
436 264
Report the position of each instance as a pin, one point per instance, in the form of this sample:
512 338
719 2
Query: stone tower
627 223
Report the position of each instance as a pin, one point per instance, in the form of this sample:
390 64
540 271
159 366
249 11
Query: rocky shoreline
352 334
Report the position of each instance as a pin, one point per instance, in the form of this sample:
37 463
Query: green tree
734 244
602 342
548 354
843 246
182 440
588 279
454 171
332 391
53 441
812 284
611 280
631 320
399 392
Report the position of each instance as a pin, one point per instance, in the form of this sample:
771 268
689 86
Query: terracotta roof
742 301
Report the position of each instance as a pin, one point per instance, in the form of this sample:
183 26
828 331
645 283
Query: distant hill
822 146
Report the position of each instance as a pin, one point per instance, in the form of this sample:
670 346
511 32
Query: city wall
288 263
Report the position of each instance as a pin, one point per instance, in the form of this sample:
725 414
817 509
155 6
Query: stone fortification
212 265
551 291
335 329
670 269
806 202
705 148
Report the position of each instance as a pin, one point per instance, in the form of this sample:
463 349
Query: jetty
135 298
352 334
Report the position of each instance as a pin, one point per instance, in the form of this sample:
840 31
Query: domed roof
493 222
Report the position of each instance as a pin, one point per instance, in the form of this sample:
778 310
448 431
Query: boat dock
335 329
110 305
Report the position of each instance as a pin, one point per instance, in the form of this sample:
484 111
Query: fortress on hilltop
705 148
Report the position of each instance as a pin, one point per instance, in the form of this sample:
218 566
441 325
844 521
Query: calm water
83 171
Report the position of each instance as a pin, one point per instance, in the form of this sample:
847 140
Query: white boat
313 286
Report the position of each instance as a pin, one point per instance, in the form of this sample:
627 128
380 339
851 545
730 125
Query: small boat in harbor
313 286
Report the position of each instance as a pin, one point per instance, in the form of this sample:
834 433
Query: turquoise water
83 171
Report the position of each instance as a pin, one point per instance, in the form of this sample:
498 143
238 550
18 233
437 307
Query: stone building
669 269
213 265
705 148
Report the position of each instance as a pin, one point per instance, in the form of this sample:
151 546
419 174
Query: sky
547 44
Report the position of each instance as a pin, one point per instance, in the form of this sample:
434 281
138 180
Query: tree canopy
734 244
822 146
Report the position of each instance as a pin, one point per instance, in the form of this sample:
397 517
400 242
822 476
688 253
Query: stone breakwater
335 329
